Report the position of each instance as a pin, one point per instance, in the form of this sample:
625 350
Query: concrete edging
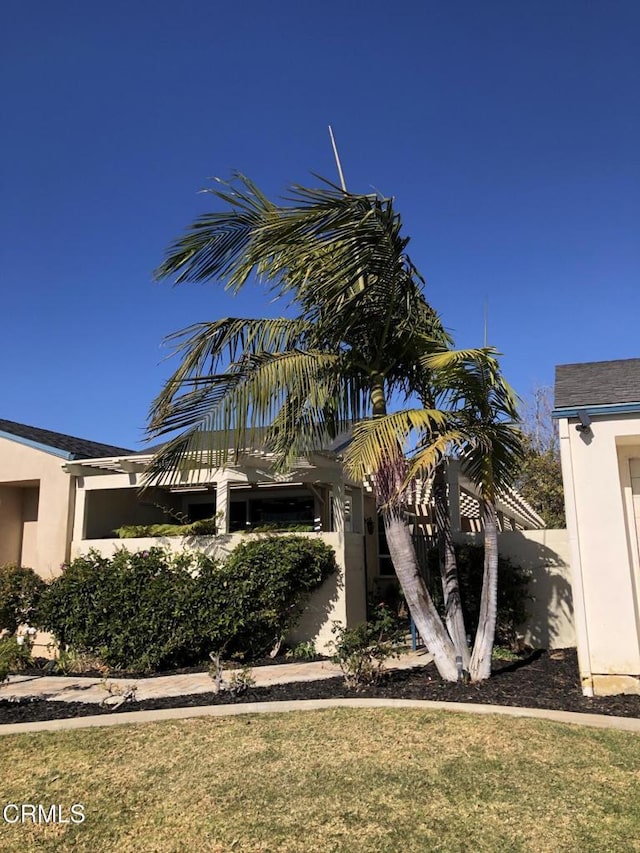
602 721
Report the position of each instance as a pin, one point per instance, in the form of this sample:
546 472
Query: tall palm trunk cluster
364 335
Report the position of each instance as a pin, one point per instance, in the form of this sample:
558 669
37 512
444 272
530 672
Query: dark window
237 516
199 511
281 511
385 563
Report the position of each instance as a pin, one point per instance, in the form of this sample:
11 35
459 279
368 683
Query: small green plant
14 655
303 651
202 527
505 654
279 527
361 652
240 681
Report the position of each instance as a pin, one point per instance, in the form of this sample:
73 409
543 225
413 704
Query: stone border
602 721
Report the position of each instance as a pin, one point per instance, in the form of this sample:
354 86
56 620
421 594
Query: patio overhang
253 467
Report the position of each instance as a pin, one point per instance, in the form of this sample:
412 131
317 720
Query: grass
334 780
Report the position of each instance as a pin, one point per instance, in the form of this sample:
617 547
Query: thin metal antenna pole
361 282
337 157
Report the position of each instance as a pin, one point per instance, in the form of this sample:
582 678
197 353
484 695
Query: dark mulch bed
539 681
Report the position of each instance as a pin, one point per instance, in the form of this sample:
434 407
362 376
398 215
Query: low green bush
279 527
513 584
151 610
14 656
20 590
362 651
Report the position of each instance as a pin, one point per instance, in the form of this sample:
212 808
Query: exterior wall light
585 422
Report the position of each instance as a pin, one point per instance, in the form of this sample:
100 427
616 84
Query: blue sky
508 132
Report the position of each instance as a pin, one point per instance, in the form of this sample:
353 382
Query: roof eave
609 409
37 445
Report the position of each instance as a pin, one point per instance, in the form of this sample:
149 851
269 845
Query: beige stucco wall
604 550
544 553
326 605
355 579
44 542
214 546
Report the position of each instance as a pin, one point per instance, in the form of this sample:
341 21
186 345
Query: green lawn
334 780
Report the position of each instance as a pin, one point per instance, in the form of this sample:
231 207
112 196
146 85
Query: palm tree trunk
480 668
454 616
403 557
419 601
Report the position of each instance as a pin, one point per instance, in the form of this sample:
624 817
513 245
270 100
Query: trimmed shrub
265 585
151 610
20 590
134 611
513 584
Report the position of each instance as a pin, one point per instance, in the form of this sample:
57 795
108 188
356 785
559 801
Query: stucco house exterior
64 496
597 405
37 495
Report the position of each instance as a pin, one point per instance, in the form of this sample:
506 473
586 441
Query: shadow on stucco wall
325 605
545 555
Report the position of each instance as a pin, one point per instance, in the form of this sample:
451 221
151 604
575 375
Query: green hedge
151 610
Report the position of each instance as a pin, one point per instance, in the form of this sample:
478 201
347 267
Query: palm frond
202 348
426 457
445 359
215 244
493 458
377 440
220 415
334 252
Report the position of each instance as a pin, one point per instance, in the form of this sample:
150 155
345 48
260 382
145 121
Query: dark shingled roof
597 383
78 448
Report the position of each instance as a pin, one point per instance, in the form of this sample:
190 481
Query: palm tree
492 456
362 328
342 260
480 425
